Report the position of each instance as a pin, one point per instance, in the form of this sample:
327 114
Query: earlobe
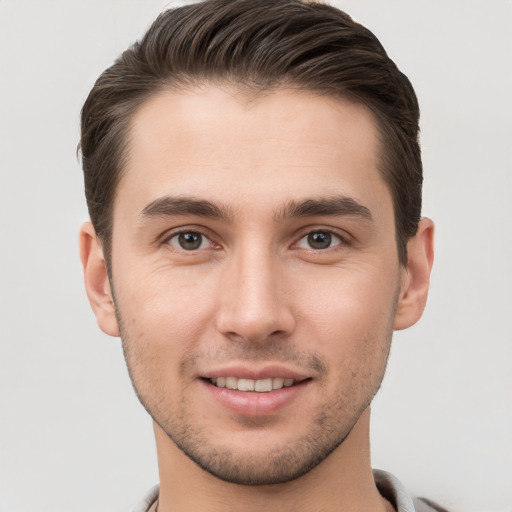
96 281
416 276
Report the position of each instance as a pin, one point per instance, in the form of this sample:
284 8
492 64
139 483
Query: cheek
164 319
350 317
363 298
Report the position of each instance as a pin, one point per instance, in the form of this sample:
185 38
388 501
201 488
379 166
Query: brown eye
319 240
188 241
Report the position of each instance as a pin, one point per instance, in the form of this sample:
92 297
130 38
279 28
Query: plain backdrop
72 434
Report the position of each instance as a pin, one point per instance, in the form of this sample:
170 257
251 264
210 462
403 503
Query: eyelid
168 235
336 241
344 237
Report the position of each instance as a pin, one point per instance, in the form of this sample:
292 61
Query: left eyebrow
331 206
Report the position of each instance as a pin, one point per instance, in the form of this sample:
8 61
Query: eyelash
175 235
330 235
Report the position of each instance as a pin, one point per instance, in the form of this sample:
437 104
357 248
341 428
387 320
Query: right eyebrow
170 206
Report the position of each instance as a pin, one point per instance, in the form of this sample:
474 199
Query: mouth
260 386
255 393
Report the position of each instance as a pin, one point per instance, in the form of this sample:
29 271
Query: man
253 177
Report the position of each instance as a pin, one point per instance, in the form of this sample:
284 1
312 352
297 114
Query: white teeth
231 382
246 384
261 385
277 383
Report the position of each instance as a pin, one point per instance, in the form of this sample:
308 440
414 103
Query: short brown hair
258 45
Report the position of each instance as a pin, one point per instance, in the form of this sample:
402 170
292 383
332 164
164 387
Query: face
255 275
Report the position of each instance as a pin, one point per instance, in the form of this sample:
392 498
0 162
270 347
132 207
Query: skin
269 284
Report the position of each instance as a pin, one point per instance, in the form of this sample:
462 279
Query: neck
343 481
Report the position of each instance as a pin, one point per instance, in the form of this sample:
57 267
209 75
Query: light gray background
73 436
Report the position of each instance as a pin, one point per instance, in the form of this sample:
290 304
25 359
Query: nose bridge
254 302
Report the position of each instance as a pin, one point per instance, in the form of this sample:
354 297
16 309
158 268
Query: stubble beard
277 465
329 427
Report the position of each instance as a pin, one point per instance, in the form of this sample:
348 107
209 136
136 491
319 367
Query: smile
260 386
261 395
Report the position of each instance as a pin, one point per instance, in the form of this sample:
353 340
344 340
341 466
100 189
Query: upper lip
264 372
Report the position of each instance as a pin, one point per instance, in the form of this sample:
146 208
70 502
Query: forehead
222 145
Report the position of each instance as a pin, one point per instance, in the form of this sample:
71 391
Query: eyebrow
169 206
330 206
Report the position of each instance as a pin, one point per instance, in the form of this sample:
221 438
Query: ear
416 276
96 281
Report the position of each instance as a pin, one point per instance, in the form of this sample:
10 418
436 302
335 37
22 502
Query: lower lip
253 403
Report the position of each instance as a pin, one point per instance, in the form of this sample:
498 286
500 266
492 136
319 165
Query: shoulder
426 505
394 491
148 500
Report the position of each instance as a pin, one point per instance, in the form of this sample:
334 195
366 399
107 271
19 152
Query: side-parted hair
256 46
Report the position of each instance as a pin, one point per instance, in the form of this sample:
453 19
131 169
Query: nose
255 301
